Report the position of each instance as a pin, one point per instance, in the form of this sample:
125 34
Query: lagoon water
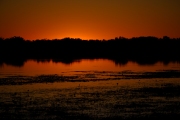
33 67
89 89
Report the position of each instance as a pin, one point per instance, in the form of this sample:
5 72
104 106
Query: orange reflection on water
32 67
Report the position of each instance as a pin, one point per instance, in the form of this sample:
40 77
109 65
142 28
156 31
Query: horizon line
120 37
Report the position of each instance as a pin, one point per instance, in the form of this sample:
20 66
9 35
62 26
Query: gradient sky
89 19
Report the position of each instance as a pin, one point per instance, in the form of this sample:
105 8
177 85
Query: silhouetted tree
142 49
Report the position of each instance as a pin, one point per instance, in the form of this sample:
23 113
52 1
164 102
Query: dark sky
89 19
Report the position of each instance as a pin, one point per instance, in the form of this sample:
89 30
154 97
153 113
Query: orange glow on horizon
89 19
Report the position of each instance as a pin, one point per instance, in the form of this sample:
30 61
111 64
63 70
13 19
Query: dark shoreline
143 50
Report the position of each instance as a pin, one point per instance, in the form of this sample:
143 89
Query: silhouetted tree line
144 50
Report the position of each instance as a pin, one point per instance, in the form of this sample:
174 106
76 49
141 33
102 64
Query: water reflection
49 66
89 89
145 61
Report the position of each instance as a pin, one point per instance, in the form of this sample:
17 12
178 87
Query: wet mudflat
87 76
91 97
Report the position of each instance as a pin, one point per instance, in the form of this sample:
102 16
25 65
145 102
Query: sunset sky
89 19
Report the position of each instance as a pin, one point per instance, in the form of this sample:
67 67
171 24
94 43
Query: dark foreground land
49 97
